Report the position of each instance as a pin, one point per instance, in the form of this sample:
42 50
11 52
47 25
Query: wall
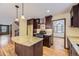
66 16
70 31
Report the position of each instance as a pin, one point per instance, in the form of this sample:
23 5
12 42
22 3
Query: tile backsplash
73 31
48 31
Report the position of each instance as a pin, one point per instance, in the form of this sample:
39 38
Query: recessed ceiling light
48 11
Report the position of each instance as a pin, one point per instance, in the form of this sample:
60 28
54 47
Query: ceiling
31 10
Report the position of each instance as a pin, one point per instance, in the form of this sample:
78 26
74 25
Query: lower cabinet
72 51
34 50
47 41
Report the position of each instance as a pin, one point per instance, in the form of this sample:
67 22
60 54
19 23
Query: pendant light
16 6
22 16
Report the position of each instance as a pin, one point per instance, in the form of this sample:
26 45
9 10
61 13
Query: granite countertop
73 36
74 41
26 40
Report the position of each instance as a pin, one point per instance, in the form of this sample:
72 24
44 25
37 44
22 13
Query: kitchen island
28 46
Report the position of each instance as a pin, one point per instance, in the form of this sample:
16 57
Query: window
59 26
3 28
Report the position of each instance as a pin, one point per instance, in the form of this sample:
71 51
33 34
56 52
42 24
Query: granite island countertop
26 40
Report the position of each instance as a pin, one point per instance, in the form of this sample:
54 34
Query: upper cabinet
48 22
36 23
75 16
30 22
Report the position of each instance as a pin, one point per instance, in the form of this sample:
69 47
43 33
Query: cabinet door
75 20
48 22
47 41
38 49
78 15
36 23
74 53
68 44
75 9
75 16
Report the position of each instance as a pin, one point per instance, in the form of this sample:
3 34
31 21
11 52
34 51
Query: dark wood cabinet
75 16
38 49
47 41
35 23
48 22
34 50
30 22
71 50
69 45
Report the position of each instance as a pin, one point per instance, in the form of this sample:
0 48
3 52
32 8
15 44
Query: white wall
64 15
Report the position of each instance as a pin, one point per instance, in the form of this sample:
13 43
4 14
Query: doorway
59 33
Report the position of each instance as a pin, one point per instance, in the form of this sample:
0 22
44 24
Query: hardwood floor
4 39
9 51
46 52
1 52
56 50
58 43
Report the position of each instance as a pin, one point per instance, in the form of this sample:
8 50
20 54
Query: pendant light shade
22 16
16 6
